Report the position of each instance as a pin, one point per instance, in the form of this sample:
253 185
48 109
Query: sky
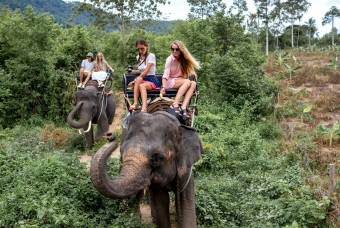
179 9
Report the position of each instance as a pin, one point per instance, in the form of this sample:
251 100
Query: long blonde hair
188 62
102 61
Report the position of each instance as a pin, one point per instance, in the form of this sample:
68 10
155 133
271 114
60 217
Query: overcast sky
179 9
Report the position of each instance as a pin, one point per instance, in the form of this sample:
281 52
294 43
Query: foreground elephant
94 109
157 154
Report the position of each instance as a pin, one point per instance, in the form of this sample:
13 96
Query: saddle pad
100 75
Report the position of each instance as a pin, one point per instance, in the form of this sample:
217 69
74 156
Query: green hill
62 12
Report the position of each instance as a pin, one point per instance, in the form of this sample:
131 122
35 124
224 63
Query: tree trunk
333 30
292 33
298 36
267 40
309 37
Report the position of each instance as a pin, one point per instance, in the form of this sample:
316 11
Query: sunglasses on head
99 55
173 49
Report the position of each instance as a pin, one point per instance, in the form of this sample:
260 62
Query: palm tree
329 17
311 28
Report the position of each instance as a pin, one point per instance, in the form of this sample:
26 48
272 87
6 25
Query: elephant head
157 153
92 109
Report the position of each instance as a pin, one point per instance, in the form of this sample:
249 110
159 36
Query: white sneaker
83 87
80 85
100 84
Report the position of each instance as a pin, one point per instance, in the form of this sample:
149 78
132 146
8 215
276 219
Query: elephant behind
93 107
157 154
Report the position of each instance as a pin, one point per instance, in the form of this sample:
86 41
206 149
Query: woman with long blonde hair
179 66
100 65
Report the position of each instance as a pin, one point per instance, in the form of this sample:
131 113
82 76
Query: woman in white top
100 65
147 80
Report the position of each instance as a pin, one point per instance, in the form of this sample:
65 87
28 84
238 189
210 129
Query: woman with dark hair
147 80
178 67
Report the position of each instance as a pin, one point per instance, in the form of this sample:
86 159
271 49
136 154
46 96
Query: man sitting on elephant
86 69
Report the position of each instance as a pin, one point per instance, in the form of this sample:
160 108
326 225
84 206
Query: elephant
157 154
93 107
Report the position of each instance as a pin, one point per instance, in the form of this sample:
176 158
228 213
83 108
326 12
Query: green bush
40 186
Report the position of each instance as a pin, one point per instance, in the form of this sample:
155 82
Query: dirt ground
322 85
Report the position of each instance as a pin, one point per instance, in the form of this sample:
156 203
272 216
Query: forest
253 172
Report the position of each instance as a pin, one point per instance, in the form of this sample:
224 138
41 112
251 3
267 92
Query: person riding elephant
157 154
94 107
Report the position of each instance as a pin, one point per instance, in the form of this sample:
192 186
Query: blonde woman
100 66
178 67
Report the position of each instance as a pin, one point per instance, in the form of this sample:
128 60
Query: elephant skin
92 107
157 154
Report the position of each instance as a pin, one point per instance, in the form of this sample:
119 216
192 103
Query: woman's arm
96 67
163 86
146 71
110 67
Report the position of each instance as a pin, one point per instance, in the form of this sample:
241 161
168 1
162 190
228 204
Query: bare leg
143 87
88 78
188 94
182 85
81 75
139 80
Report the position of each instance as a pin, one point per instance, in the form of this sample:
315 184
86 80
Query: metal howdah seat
155 103
108 71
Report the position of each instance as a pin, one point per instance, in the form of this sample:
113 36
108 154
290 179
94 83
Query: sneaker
100 84
80 85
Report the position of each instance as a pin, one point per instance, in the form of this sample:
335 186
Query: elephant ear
189 151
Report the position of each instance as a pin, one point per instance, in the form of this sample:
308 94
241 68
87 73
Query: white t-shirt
150 59
88 66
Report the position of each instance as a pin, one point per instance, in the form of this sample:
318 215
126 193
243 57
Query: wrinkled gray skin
157 154
89 106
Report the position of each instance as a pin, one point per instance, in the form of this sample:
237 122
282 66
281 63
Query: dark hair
142 42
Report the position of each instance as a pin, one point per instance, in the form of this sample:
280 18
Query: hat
89 55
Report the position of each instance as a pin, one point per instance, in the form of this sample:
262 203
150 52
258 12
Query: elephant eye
156 159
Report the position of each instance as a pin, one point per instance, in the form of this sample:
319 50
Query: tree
311 29
240 5
277 17
123 15
252 25
329 17
205 8
294 8
263 8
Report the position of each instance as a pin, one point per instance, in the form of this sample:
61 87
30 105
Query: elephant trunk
132 177
84 119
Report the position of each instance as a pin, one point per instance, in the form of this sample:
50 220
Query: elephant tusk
89 128
80 132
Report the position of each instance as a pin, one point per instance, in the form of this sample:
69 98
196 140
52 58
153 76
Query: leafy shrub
40 186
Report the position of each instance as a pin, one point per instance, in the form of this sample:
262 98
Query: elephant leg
159 200
89 138
185 205
102 127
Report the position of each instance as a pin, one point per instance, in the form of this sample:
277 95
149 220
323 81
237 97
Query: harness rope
186 183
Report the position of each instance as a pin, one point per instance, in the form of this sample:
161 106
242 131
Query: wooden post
331 180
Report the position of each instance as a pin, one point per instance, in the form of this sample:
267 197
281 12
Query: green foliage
335 63
331 132
291 70
41 186
280 57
